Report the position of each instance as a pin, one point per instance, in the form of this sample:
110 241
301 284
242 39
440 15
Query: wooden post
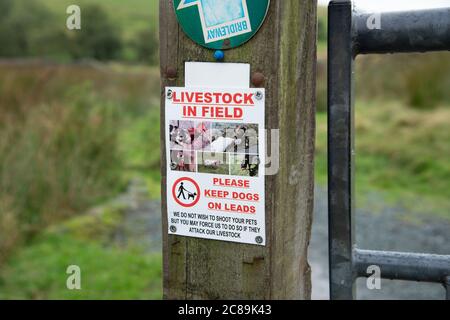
284 51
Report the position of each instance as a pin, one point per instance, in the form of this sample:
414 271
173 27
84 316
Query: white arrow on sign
221 19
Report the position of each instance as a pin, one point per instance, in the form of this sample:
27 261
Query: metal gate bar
403 266
410 31
348 36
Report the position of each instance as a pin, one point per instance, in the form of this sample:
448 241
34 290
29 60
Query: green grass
60 124
38 271
223 169
70 136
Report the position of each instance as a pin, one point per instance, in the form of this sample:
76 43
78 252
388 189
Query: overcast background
396 4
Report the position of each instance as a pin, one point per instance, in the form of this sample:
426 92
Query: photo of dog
244 165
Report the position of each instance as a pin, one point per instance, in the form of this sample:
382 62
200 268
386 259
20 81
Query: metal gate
349 36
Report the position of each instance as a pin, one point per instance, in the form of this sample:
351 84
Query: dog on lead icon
186 192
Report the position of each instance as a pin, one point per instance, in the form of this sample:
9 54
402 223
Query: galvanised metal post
348 36
340 149
447 288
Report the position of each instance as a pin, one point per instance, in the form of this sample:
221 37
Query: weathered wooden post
282 60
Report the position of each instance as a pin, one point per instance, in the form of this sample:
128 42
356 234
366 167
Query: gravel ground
378 227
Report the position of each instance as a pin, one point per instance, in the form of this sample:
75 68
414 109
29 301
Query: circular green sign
221 24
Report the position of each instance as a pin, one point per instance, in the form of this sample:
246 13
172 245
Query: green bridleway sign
221 24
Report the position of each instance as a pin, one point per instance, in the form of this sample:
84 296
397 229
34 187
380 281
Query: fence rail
408 31
403 266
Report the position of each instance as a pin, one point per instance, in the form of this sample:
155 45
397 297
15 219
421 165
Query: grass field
76 141
400 152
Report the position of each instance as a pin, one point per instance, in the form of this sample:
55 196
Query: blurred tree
99 37
10 24
145 46
29 29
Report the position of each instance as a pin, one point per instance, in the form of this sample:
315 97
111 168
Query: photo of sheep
214 147
214 137
245 165
213 163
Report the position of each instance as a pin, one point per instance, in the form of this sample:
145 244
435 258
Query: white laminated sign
215 142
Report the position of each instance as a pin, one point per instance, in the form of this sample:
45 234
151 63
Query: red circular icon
183 193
